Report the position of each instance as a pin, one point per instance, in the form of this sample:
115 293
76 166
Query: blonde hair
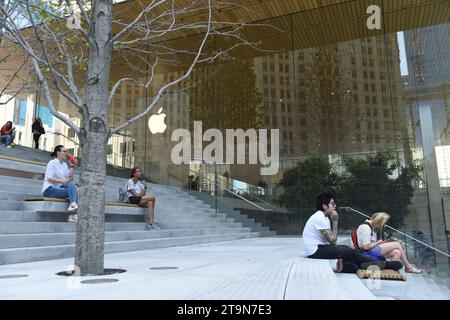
379 219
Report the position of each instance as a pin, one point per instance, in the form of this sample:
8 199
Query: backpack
122 196
353 267
354 236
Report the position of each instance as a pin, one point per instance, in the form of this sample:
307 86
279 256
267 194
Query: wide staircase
38 230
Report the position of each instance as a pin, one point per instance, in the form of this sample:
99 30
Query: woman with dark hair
58 181
7 134
136 190
38 130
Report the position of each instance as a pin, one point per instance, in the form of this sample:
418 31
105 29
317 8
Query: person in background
37 129
367 241
58 181
136 190
7 134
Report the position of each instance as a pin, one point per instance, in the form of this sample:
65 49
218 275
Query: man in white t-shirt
320 237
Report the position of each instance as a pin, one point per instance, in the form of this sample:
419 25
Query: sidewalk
251 269
263 268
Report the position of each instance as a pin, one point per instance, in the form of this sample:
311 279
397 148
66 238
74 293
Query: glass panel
365 115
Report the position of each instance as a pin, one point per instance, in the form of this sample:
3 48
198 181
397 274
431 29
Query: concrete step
68 238
15 196
35 186
19 193
62 227
111 183
49 206
28 235
17 255
10 205
26 167
33 216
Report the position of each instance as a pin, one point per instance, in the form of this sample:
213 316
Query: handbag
122 196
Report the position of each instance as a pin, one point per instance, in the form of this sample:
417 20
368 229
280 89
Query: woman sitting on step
366 239
58 181
136 190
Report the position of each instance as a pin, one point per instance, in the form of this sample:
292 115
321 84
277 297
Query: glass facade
366 117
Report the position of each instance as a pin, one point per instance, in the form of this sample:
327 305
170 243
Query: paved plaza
263 268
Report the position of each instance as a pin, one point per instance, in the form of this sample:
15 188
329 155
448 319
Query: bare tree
70 46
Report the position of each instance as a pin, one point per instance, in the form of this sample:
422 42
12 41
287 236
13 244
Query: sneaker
156 226
73 218
9 146
73 207
149 227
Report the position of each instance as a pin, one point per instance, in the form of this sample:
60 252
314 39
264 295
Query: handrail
392 228
237 195
224 180
60 134
259 199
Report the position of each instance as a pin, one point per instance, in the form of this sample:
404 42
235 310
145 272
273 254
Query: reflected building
338 99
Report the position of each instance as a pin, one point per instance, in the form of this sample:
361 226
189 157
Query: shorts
376 249
134 200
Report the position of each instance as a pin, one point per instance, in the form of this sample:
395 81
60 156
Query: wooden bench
108 203
42 204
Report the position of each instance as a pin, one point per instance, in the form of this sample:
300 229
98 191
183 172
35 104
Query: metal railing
210 180
398 231
64 136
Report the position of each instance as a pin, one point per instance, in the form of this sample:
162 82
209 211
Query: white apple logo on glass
156 122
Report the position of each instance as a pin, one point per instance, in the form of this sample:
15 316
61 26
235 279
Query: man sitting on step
320 238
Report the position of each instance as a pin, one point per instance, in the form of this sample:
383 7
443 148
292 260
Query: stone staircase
31 231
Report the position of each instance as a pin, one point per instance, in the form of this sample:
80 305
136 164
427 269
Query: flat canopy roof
300 24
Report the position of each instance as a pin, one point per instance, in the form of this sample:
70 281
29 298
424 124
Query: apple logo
156 122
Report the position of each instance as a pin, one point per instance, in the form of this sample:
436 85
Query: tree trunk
89 251
91 213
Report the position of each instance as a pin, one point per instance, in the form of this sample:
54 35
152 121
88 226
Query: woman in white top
367 240
136 190
58 181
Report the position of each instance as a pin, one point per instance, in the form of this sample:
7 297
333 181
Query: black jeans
36 140
340 252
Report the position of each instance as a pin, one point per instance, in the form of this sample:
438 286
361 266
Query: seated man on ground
136 190
320 238
7 134
58 181
366 235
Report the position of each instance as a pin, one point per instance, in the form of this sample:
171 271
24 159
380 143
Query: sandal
413 269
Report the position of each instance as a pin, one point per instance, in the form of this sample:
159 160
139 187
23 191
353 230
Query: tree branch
163 88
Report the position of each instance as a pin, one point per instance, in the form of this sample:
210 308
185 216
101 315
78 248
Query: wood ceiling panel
314 23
